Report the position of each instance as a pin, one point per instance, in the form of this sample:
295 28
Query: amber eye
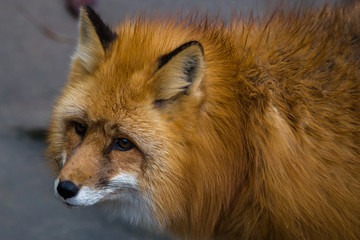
80 129
122 144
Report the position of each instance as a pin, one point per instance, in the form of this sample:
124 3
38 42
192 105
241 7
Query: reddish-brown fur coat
270 149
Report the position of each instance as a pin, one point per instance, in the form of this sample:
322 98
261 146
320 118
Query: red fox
206 130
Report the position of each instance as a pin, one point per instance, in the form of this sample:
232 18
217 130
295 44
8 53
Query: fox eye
80 129
122 144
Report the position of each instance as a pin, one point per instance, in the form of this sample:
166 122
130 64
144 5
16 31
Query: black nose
67 189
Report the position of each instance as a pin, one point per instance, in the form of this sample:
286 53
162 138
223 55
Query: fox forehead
102 98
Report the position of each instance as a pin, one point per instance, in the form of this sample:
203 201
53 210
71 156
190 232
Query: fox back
208 130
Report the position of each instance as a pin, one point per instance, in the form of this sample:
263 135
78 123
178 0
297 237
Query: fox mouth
70 205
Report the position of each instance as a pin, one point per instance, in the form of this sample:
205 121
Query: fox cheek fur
207 131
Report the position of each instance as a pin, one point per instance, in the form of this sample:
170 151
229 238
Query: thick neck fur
269 182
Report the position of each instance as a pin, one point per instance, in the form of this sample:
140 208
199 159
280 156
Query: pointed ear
180 73
94 38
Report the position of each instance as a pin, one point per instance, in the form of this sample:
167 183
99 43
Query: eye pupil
123 144
80 129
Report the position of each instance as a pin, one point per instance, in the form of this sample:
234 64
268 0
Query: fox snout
75 195
66 189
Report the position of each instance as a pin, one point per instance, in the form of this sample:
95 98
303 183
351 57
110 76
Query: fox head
121 126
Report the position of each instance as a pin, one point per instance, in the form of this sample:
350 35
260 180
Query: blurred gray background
33 67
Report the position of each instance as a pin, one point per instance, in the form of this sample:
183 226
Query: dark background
33 67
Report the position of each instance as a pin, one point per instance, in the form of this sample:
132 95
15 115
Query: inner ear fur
94 38
180 72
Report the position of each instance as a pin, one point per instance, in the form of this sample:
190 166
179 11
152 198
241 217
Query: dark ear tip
166 58
105 34
188 44
88 9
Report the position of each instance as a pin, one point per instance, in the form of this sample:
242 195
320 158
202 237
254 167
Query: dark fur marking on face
103 181
105 34
105 172
167 57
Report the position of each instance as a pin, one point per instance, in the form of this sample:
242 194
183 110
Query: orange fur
266 146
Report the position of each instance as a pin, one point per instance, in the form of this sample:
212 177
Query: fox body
248 130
